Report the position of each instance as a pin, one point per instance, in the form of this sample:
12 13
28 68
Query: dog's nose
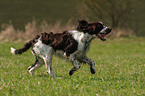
109 29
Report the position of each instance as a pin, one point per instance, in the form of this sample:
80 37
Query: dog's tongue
101 37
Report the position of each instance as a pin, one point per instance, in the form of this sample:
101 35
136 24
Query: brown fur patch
60 41
89 27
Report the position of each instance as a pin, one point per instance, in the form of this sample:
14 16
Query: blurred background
22 19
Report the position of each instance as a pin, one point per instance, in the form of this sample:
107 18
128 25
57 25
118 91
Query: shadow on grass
43 75
48 76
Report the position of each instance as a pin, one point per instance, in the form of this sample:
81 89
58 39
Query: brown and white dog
70 44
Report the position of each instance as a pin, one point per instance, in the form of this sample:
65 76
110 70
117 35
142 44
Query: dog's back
60 41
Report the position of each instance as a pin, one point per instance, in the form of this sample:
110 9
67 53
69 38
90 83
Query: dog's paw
71 72
92 70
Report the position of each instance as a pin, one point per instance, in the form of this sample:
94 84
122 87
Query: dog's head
94 28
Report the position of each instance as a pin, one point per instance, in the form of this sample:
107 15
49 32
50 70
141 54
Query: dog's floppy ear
82 24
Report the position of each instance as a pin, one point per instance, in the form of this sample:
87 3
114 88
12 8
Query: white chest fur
78 36
81 38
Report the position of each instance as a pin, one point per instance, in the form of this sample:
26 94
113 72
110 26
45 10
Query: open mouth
103 33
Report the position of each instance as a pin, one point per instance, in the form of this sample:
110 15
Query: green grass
120 71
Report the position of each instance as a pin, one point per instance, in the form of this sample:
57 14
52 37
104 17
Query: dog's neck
81 36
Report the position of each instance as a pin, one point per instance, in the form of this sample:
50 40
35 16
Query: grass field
120 71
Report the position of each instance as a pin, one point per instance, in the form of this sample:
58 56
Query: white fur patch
81 38
103 30
42 50
13 50
77 35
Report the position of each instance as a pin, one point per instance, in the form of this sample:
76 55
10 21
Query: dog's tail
23 49
26 46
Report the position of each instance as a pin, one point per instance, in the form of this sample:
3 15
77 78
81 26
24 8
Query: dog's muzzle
105 31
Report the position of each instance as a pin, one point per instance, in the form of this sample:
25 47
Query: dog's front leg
75 63
90 62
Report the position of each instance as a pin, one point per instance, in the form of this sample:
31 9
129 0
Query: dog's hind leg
48 62
75 63
90 62
38 62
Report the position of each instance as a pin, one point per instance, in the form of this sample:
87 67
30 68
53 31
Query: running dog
70 44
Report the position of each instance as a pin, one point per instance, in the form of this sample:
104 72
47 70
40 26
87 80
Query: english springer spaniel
72 45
